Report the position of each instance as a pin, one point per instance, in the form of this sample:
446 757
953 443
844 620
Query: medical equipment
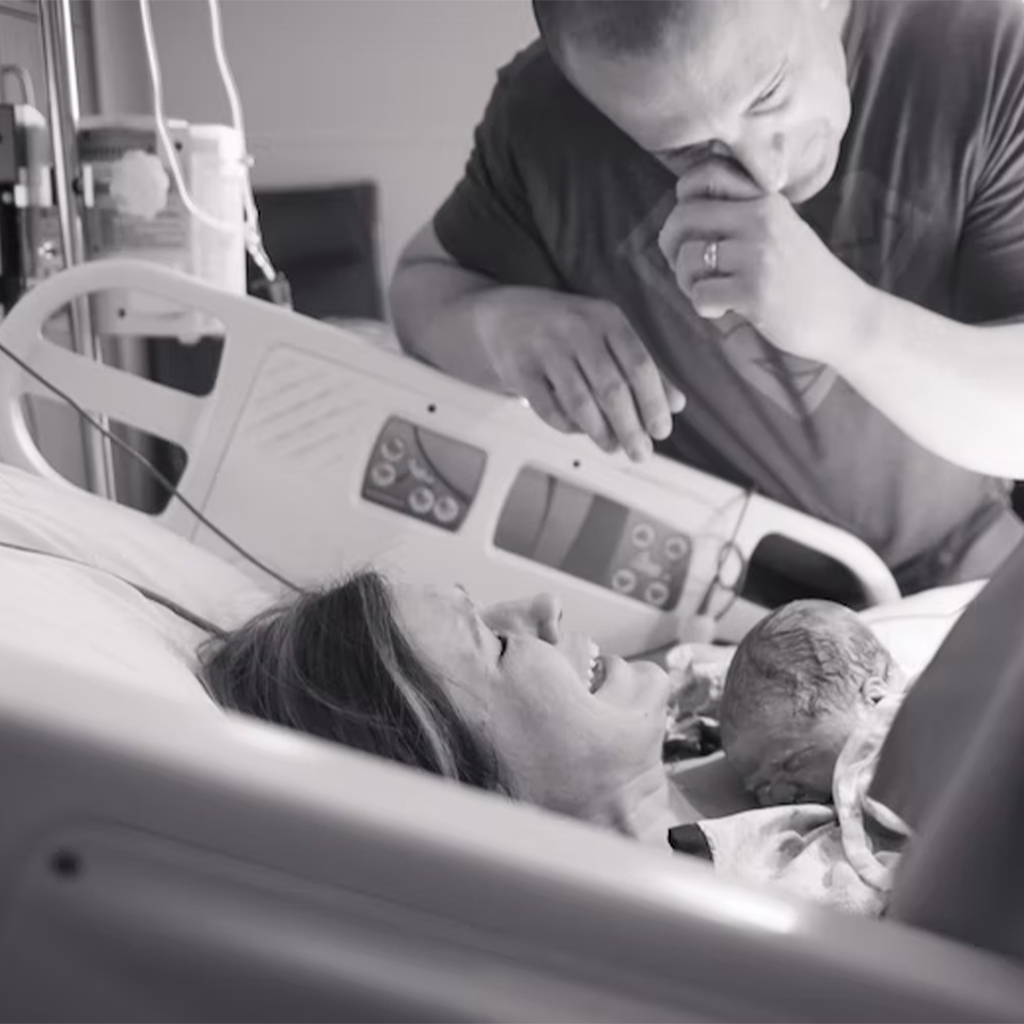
175 193
163 860
132 207
209 218
703 625
318 452
118 168
29 231
29 228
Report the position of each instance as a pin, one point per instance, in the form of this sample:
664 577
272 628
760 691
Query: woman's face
575 728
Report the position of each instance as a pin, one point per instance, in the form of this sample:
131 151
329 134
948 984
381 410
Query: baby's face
780 764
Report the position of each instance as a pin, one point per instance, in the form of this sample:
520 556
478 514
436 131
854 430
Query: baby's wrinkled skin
798 686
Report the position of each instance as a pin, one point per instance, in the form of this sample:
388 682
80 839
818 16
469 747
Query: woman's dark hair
335 663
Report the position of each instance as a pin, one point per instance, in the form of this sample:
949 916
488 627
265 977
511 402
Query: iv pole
63 108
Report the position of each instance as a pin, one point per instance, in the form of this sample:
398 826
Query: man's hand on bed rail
580 365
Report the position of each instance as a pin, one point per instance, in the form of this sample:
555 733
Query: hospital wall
56 427
333 90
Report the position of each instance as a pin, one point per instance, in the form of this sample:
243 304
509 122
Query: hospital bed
317 448
161 859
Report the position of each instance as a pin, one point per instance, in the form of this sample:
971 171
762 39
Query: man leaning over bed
798 214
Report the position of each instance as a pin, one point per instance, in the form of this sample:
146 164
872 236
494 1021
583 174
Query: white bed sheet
74 610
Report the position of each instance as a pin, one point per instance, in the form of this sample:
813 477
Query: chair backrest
324 240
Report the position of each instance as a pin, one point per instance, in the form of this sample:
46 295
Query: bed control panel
423 474
566 527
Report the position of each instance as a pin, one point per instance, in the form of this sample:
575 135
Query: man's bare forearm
955 388
438 311
435 308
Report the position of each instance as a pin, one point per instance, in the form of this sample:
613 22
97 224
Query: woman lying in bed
506 700
503 699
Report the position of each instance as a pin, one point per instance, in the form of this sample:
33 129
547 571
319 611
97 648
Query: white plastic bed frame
163 861
279 450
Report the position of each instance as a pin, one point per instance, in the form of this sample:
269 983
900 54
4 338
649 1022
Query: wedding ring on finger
710 258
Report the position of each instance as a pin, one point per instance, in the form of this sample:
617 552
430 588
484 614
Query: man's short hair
805 660
614 27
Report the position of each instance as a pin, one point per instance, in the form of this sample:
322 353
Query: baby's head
799 683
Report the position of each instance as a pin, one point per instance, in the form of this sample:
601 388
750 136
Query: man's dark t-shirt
927 203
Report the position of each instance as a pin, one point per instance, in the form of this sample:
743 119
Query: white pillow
77 613
913 628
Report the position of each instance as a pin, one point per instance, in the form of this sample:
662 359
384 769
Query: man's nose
764 159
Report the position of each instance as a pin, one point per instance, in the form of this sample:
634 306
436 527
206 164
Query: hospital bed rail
158 862
288 456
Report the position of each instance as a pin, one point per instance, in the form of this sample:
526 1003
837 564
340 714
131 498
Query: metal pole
63 108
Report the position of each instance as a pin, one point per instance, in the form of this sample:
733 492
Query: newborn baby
799 684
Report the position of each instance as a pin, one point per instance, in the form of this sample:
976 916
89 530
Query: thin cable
151 595
717 513
153 471
234 102
736 589
255 238
726 549
250 225
225 70
153 61
741 579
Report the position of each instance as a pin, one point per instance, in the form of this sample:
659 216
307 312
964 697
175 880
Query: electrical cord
720 511
253 238
728 548
255 246
151 595
155 473
156 83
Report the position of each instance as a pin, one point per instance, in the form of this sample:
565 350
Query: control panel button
393 449
624 581
656 593
643 535
383 474
645 564
447 509
419 470
421 500
676 548
411 469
